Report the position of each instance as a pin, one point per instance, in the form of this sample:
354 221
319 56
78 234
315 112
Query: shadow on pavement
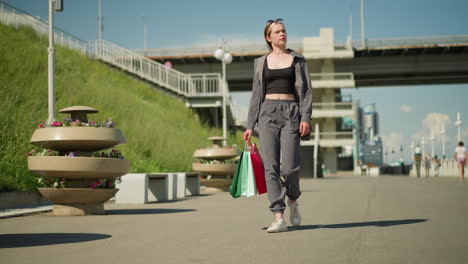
44 239
361 224
358 224
145 211
180 199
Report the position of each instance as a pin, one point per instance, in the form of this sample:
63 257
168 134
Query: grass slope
161 131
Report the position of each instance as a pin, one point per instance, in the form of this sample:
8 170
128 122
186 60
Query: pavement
346 219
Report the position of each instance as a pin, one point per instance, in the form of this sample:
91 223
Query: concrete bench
149 187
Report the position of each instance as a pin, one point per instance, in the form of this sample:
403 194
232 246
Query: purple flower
93 186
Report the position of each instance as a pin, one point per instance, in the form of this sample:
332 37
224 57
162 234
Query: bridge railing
332 106
333 135
15 17
202 84
413 41
332 76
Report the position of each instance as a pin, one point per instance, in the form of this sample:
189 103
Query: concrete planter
78 167
77 195
78 172
86 139
215 169
216 154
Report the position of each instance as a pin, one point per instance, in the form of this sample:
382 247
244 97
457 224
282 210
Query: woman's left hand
304 128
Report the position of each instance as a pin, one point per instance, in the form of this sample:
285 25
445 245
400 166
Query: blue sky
406 113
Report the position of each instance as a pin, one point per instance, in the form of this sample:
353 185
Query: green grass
162 133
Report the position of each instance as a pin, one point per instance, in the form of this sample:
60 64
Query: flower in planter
103 184
50 182
110 123
69 122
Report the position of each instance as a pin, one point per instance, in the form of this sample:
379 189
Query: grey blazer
302 85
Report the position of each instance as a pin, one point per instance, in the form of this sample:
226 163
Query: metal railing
244 49
332 106
338 76
413 41
189 85
333 135
15 17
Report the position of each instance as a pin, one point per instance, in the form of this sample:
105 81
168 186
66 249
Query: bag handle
247 145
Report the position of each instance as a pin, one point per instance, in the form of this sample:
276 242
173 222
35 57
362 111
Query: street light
100 19
226 58
442 132
58 4
412 150
432 144
458 123
422 144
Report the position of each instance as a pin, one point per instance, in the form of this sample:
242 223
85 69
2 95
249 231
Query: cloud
432 125
393 140
406 109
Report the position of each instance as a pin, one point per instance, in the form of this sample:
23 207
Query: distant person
427 164
437 165
460 157
417 160
281 103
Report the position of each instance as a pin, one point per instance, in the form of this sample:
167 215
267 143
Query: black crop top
279 81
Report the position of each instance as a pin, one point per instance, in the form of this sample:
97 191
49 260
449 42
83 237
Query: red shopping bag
258 168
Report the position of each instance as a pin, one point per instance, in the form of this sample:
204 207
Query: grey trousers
280 141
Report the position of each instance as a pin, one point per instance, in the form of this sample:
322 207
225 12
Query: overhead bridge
377 62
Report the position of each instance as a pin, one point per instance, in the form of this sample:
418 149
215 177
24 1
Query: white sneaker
277 226
294 214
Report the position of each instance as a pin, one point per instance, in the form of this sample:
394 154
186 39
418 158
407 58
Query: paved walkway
387 219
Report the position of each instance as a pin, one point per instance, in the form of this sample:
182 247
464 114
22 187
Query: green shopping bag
235 181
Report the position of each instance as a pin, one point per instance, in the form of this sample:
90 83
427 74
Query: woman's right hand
248 135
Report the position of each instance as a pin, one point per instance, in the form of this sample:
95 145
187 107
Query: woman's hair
267 31
460 143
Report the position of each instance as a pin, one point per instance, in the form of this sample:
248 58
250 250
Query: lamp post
51 50
423 148
458 123
225 58
432 144
100 25
442 132
412 150
145 34
401 153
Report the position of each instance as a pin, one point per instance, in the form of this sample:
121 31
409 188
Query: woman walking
460 157
281 103
427 164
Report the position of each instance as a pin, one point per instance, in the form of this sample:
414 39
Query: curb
10 213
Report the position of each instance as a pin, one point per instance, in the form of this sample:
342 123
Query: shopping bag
259 169
235 181
243 182
248 186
